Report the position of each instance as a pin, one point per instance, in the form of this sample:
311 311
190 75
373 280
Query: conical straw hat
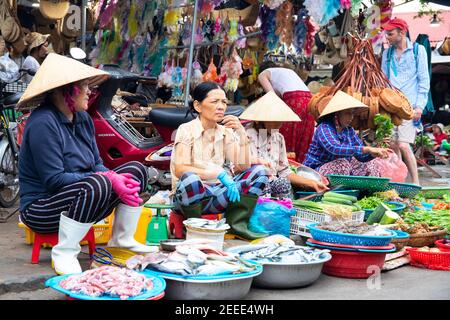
269 108
341 101
57 71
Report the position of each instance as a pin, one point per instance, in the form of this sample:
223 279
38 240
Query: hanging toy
211 73
234 71
285 25
208 31
198 35
309 36
300 30
323 11
242 42
132 22
356 4
186 33
273 4
217 29
233 32
224 70
197 76
177 81
268 26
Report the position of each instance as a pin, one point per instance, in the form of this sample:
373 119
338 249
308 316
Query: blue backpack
389 59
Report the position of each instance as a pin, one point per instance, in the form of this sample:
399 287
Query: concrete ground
21 280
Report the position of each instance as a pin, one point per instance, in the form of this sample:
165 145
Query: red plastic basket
349 246
440 244
354 265
430 260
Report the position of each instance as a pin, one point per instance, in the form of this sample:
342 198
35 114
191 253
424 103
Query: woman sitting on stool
64 186
201 182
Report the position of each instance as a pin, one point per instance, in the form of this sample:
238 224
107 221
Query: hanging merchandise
300 30
185 34
268 27
285 23
311 30
211 73
233 32
234 71
346 4
273 4
154 62
177 81
132 22
197 76
171 24
107 15
242 42
356 4
322 10
208 30
217 28
224 72
376 16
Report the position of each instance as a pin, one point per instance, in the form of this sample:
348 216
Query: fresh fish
134 262
174 267
214 268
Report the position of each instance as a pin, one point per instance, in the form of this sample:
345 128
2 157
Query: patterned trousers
351 167
89 200
191 190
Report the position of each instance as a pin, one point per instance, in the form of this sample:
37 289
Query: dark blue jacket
55 153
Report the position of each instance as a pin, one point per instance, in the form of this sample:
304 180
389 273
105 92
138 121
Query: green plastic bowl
434 192
372 184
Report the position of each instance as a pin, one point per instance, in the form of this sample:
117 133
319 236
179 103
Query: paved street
21 280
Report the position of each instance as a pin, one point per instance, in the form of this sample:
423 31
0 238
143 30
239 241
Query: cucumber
377 214
389 217
337 200
341 196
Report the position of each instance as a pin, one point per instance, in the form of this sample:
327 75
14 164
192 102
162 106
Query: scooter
119 142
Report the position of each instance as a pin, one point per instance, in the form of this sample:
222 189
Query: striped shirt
410 77
328 145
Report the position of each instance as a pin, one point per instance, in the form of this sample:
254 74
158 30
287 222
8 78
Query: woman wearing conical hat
64 186
336 148
293 91
268 146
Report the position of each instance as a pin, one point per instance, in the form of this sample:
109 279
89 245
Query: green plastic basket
405 190
435 192
372 184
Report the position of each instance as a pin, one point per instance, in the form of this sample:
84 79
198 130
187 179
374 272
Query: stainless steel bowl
170 245
284 276
277 275
223 289
309 173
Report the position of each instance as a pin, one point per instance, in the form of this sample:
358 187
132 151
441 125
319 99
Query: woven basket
426 239
400 243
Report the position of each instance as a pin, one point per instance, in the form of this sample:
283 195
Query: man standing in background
405 65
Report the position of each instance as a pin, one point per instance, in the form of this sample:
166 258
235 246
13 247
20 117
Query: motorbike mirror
77 53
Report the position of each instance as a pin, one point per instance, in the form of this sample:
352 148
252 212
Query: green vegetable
384 129
353 208
339 195
309 205
338 200
425 140
377 214
389 217
446 198
370 203
431 217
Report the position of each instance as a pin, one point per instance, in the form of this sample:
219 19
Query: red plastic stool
52 238
176 226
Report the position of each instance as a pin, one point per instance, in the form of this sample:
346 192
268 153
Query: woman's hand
232 122
379 152
318 186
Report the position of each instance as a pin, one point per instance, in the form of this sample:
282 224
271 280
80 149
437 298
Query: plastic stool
52 238
176 226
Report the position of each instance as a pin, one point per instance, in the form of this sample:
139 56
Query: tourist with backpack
405 65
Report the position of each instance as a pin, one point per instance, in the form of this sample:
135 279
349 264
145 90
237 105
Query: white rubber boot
64 254
125 223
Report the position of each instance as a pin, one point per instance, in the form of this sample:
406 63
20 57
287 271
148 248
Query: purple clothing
328 145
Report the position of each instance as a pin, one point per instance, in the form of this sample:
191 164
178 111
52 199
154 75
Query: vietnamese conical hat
269 108
54 9
341 101
57 71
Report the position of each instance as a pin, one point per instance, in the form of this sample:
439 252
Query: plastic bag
271 217
392 167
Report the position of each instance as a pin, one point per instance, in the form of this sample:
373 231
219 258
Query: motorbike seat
174 117
11 99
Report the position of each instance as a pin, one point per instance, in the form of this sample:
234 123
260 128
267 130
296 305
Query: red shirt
439 137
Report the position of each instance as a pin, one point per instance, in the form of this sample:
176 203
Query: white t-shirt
31 64
285 80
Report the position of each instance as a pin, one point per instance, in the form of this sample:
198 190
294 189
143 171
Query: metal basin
309 173
226 287
287 275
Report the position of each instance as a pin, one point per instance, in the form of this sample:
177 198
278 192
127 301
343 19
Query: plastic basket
373 184
440 244
434 192
430 260
218 236
303 217
354 265
14 87
405 190
347 238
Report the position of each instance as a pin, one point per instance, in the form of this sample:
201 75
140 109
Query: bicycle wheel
10 174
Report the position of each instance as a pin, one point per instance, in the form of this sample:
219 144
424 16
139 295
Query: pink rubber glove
126 188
